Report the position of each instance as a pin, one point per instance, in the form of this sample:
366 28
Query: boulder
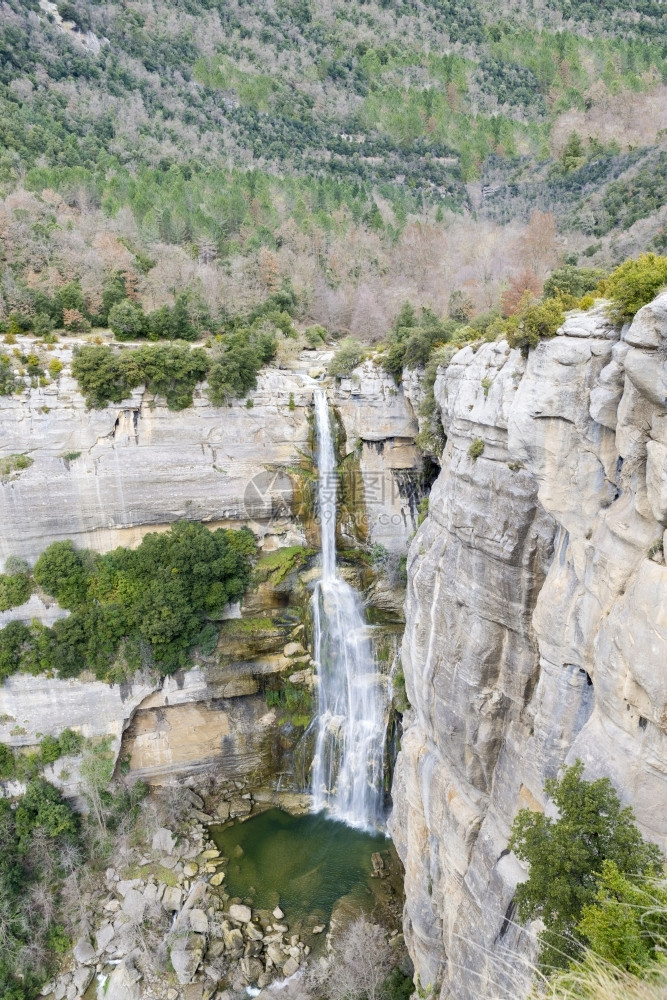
222 809
240 913
233 938
123 983
290 967
239 807
253 933
186 953
82 978
278 913
293 649
126 884
84 952
172 898
198 921
103 937
192 797
134 905
276 954
163 841
217 879
251 969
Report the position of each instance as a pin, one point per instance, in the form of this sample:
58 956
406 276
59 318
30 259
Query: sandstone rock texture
536 626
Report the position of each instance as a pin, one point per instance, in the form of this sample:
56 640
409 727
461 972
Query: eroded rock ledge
536 625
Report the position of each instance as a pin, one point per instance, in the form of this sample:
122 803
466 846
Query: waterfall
352 710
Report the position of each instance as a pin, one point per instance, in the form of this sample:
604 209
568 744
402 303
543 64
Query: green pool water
304 864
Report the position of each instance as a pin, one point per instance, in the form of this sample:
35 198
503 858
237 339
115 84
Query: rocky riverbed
159 923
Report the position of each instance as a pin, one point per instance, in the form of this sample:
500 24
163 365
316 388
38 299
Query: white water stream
352 711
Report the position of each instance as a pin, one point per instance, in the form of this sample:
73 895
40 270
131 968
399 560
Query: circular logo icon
268 496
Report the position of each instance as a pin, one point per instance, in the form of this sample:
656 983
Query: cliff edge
536 626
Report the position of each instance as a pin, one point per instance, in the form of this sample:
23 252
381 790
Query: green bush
43 807
414 339
114 291
12 464
234 367
15 589
62 572
566 856
570 280
8 380
127 320
171 371
14 639
533 322
147 605
476 449
315 336
626 925
41 827
634 284
350 353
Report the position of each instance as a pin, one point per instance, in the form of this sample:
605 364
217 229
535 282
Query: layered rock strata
536 626
105 477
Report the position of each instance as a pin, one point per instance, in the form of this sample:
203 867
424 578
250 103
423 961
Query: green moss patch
13 464
274 567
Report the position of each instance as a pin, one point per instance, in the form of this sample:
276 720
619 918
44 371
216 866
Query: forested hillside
372 152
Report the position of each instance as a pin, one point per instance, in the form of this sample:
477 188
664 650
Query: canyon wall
105 477
536 626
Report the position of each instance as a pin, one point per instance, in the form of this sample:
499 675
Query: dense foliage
626 925
533 321
634 284
26 766
414 338
38 839
349 354
566 856
15 589
149 606
232 128
240 348
172 371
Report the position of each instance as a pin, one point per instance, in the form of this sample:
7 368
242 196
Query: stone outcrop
380 430
536 626
105 477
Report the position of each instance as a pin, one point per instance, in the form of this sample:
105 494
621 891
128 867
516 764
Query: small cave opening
589 682
508 919
429 472
643 723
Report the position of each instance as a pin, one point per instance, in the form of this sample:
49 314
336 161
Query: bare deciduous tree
361 963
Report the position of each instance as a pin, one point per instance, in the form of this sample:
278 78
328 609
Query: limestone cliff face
105 477
536 625
380 428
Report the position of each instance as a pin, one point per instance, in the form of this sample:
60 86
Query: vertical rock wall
536 626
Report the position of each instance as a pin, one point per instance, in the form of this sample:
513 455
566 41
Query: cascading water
353 706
